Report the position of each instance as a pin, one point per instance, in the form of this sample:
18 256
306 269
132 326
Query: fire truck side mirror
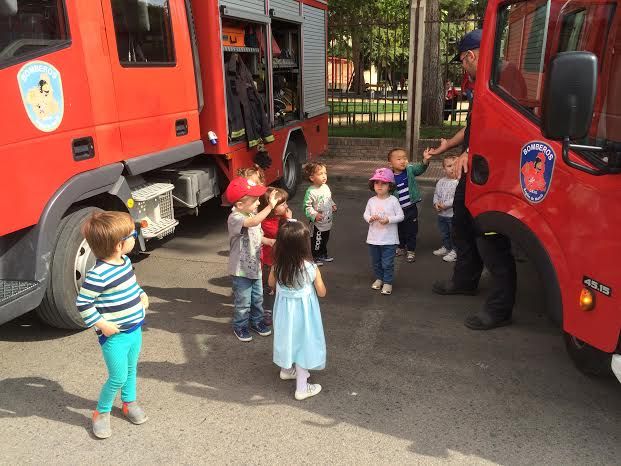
569 95
8 7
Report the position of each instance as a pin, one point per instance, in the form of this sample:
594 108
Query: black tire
58 306
588 359
291 170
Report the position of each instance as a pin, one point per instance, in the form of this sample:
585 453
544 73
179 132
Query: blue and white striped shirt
403 190
111 292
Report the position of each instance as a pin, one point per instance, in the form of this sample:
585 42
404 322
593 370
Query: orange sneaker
101 425
134 413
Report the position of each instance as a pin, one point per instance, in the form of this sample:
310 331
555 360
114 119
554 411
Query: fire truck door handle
83 148
181 127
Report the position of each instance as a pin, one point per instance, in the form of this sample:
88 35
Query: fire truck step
12 289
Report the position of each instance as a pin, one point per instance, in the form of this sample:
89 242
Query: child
383 213
298 331
111 300
408 195
254 173
443 203
318 208
270 229
246 237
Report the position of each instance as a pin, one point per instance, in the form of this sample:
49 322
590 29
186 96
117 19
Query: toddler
270 228
443 203
319 208
111 300
246 238
299 342
409 196
383 213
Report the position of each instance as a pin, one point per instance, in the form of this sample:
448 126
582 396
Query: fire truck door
47 131
152 69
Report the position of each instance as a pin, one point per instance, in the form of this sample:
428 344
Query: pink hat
383 174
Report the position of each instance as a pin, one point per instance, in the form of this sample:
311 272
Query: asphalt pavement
405 383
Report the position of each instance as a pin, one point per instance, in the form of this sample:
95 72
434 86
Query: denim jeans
445 224
383 260
248 299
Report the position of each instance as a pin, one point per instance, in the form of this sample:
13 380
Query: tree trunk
356 51
433 88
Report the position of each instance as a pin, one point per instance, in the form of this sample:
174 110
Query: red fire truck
553 68
147 106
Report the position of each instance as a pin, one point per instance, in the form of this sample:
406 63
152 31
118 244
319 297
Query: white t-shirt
382 235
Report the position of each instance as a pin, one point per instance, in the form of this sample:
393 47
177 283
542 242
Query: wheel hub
84 261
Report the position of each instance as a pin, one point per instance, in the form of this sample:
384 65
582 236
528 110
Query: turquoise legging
121 353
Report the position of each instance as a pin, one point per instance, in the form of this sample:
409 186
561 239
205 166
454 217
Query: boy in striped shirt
111 300
409 196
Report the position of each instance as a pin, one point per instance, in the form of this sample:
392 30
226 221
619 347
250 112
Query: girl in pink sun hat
383 213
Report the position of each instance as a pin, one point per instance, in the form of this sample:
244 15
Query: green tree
370 32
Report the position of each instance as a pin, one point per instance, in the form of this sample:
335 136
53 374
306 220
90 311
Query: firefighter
476 248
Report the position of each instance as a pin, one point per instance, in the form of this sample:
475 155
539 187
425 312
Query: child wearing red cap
246 238
383 213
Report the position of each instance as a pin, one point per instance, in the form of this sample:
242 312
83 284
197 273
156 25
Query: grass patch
391 129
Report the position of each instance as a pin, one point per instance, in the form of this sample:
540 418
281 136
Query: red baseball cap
240 187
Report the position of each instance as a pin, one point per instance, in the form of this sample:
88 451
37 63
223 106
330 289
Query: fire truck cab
147 106
546 171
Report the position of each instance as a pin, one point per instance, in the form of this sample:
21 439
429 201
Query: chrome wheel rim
84 260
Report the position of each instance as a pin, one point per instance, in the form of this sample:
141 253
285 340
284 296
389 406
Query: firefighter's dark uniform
475 249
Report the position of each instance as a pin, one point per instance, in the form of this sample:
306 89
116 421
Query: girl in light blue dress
299 343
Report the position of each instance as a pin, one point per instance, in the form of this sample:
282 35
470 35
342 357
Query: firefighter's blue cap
470 41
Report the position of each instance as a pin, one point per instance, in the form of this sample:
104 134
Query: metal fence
368 76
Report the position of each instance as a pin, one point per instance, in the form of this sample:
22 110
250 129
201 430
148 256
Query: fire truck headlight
587 300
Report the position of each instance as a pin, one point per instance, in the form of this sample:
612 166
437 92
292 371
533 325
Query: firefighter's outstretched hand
461 165
443 147
145 301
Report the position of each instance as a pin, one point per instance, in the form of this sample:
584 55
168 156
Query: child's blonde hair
448 158
104 230
255 170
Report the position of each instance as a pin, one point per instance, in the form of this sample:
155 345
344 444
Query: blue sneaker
261 329
242 334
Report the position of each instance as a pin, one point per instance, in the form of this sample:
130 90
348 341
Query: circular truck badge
536 169
42 93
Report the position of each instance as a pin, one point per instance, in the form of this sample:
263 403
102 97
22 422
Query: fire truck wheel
588 359
71 259
291 170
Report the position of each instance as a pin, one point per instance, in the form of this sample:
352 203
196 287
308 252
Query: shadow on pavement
36 396
29 328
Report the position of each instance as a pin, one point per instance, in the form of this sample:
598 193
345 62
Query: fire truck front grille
11 289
